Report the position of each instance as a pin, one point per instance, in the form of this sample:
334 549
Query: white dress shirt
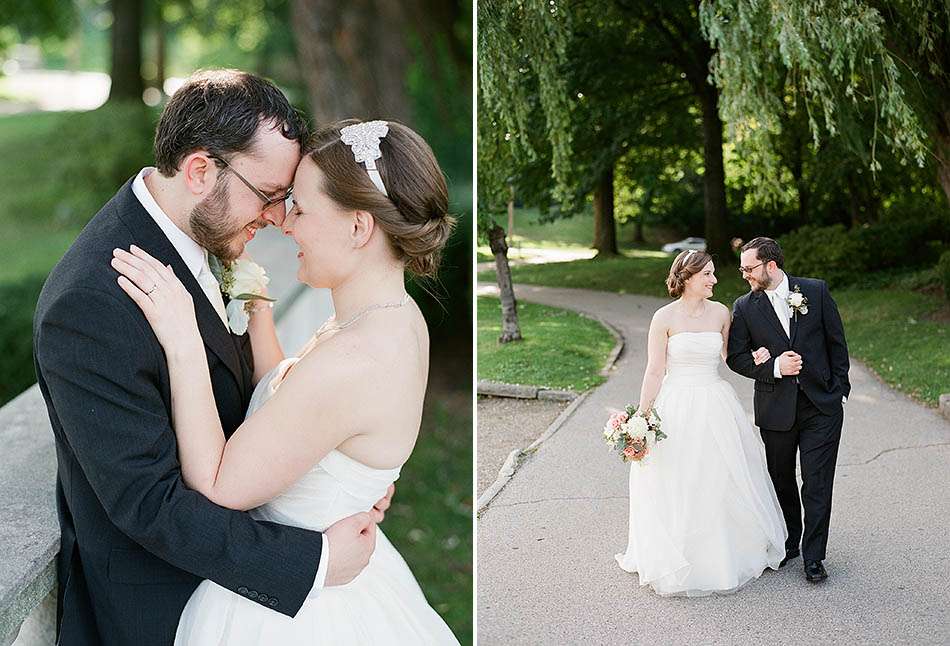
196 259
778 297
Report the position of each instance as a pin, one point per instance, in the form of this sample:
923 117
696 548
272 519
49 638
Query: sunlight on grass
560 349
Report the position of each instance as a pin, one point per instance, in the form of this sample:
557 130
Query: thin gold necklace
356 317
700 314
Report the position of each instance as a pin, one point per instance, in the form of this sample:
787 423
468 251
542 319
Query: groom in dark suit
135 541
799 391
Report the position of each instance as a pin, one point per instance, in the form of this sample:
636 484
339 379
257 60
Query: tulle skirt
704 517
383 605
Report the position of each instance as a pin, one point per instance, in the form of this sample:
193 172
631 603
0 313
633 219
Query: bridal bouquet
632 435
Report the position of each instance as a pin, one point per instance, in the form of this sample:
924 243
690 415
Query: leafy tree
869 73
587 76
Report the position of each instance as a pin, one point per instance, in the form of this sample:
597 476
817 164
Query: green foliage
430 521
830 253
845 68
560 349
17 301
98 151
943 271
842 257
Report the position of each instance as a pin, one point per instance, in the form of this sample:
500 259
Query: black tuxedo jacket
817 336
135 541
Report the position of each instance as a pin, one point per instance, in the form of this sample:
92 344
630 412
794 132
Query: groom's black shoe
789 555
815 571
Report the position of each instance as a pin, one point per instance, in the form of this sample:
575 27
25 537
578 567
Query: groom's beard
210 226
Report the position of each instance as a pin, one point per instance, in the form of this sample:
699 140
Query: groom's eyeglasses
748 270
269 202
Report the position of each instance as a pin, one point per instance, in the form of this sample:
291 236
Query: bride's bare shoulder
663 317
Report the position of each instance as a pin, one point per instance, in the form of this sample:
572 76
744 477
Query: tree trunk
645 207
353 58
126 74
605 228
510 330
160 49
714 176
943 151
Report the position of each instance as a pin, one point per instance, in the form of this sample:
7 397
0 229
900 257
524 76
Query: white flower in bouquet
636 426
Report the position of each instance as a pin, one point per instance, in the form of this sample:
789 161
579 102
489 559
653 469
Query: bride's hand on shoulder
163 299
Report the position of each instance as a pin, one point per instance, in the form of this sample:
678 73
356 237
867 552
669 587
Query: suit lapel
764 305
793 322
149 237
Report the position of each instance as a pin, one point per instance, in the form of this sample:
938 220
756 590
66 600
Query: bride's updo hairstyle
685 266
414 216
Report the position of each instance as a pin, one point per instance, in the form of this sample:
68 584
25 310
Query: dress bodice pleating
336 487
693 358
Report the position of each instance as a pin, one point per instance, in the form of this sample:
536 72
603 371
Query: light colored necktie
211 288
781 312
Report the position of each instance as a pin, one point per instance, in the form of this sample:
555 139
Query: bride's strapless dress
383 605
704 517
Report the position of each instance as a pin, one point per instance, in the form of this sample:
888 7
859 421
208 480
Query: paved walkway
546 572
506 424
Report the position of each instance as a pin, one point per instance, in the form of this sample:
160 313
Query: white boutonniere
244 282
798 302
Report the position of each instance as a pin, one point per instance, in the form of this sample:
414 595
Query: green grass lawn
894 330
560 349
635 272
430 521
576 232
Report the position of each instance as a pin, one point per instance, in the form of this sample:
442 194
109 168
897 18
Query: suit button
242 590
272 603
263 598
252 594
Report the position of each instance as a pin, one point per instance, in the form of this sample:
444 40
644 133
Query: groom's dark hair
220 111
766 249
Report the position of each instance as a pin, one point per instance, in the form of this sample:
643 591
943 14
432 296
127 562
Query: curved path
546 572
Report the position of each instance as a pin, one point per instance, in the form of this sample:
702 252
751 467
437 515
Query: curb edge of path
520 391
518 457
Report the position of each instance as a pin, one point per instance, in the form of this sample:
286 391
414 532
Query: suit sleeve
102 373
834 340
739 354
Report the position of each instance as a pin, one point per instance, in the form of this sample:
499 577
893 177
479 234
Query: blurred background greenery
82 83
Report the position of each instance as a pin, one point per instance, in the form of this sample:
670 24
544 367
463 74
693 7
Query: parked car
698 244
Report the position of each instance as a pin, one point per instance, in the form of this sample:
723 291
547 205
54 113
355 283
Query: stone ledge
29 530
519 391
944 405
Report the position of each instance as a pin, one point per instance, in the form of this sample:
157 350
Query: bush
913 241
943 271
841 256
830 253
105 147
17 302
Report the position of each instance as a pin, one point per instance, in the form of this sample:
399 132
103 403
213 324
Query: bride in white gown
704 517
326 433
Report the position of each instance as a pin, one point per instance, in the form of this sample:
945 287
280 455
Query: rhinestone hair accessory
363 140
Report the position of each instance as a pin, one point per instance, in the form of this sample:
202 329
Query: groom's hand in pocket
353 540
